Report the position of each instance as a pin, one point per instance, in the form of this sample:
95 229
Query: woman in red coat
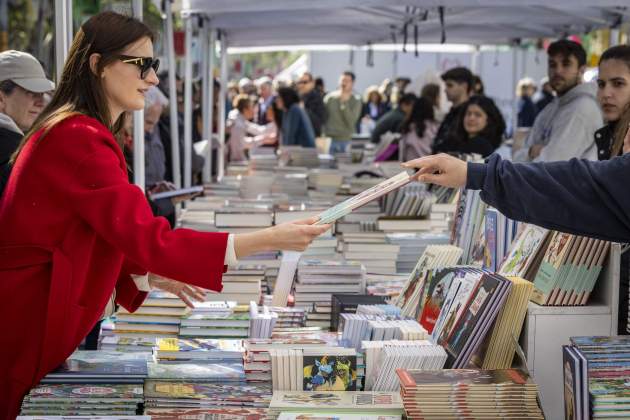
74 231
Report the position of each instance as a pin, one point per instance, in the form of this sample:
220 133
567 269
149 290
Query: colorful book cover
330 373
490 250
523 251
364 400
206 371
103 363
434 295
551 263
155 390
63 392
474 309
457 377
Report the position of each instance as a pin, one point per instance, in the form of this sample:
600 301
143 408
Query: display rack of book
548 328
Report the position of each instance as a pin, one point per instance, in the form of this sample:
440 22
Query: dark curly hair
495 127
421 112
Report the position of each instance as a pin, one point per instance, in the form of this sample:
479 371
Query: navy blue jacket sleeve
576 196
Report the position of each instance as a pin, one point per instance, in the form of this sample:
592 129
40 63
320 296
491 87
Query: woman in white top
244 134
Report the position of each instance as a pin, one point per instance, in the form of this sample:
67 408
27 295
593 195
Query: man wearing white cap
22 87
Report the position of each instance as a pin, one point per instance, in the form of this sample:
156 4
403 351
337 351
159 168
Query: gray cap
24 70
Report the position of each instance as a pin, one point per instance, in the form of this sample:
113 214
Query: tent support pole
222 110
188 122
172 89
138 124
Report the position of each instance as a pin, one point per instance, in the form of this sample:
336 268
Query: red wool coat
72 229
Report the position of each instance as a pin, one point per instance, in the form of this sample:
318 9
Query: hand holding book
441 169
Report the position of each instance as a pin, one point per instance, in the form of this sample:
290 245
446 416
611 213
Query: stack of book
293 185
299 156
318 280
348 304
232 413
412 246
242 285
262 159
414 292
159 316
470 394
470 307
262 322
216 319
411 201
358 327
243 220
299 210
315 369
252 186
386 285
289 317
376 257
319 315
100 367
382 358
224 372
339 405
257 359
596 377
80 400
569 270
325 180
198 350
126 344
324 247
199 395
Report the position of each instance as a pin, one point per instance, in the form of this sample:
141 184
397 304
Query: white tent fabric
251 23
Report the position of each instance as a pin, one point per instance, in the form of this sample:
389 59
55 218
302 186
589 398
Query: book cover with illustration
330 373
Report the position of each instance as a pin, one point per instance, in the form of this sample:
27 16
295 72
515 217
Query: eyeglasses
143 63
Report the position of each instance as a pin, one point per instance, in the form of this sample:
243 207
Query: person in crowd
392 120
244 134
565 128
313 102
165 135
386 90
296 126
546 95
319 85
526 110
431 91
23 83
343 108
74 229
613 94
265 99
374 106
459 83
478 87
479 129
247 86
418 130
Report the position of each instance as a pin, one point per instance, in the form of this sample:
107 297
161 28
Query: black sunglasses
143 63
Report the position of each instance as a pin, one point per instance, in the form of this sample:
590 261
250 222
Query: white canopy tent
249 23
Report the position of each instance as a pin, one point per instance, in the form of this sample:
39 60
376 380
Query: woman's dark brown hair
621 53
80 90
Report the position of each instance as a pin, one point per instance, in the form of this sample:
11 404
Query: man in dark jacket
22 87
313 102
392 120
590 198
459 83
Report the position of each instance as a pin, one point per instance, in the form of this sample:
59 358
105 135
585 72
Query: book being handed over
351 204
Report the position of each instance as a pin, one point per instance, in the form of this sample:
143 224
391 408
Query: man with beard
564 129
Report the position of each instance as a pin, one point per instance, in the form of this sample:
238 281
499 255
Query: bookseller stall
421 303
